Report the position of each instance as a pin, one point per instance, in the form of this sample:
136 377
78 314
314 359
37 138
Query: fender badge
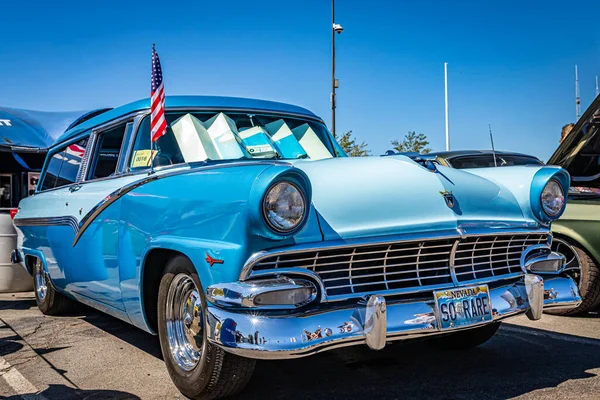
448 197
212 261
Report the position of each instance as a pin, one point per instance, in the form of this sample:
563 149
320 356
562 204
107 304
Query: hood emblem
448 197
212 261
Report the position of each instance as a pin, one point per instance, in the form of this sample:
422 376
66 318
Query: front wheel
469 338
199 369
582 268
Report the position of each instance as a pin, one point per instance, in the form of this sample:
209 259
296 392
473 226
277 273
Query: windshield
487 160
205 136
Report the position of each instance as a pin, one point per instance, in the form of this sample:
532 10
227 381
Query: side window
52 171
107 153
64 165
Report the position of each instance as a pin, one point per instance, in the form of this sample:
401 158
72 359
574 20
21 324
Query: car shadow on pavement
66 393
124 331
17 304
509 365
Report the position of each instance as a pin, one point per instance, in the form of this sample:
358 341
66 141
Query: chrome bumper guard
266 335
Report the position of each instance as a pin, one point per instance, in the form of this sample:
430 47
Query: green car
577 232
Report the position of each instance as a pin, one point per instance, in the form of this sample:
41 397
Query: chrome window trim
457 235
124 146
137 121
86 157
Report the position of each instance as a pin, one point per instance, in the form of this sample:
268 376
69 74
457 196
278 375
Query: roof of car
212 102
459 153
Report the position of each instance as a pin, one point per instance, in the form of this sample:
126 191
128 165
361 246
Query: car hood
580 151
369 196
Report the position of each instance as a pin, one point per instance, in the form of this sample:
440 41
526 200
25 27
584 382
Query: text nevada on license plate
456 308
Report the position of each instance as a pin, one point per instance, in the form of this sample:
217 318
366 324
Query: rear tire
467 339
199 369
586 274
49 301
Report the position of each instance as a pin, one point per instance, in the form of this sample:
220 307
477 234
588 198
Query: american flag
158 123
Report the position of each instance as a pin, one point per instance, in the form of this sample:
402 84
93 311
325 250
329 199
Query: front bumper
256 334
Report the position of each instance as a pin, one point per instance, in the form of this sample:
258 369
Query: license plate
457 308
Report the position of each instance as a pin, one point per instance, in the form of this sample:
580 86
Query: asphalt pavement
90 355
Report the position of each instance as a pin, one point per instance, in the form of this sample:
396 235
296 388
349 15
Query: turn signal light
13 212
281 297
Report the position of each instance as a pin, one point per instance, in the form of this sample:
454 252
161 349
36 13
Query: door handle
74 188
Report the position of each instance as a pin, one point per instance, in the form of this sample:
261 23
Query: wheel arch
154 261
561 232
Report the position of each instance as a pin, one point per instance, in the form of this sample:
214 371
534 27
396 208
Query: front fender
198 251
226 257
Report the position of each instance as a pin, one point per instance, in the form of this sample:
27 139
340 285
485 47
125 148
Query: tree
412 142
353 149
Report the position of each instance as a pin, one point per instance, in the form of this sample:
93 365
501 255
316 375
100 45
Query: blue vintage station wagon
246 233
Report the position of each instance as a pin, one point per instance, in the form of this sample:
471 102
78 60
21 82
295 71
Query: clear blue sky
511 63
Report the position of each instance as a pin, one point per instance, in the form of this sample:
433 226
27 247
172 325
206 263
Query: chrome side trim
48 221
117 194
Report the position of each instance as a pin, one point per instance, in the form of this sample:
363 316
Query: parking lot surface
90 355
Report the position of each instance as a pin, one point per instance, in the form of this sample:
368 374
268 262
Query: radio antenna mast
492 140
577 99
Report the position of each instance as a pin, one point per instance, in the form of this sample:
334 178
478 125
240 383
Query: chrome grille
489 256
406 267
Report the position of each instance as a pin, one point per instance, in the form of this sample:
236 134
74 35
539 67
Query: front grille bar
403 267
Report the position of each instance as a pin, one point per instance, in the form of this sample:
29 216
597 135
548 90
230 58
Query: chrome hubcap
41 287
572 263
185 322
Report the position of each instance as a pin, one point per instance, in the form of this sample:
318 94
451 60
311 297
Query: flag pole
446 98
151 141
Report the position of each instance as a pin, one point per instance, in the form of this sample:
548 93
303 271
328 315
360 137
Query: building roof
29 129
208 102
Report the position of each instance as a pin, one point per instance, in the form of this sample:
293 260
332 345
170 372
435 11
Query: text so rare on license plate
462 307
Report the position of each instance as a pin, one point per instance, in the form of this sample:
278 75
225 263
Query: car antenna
492 140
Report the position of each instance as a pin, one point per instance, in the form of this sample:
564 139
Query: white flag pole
446 97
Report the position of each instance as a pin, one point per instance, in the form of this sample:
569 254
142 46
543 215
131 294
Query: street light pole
446 105
333 100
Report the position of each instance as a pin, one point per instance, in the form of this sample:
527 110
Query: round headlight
553 198
284 206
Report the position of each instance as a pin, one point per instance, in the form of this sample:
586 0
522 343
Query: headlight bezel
557 184
265 213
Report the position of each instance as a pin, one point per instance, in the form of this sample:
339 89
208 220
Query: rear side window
52 171
107 156
63 166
